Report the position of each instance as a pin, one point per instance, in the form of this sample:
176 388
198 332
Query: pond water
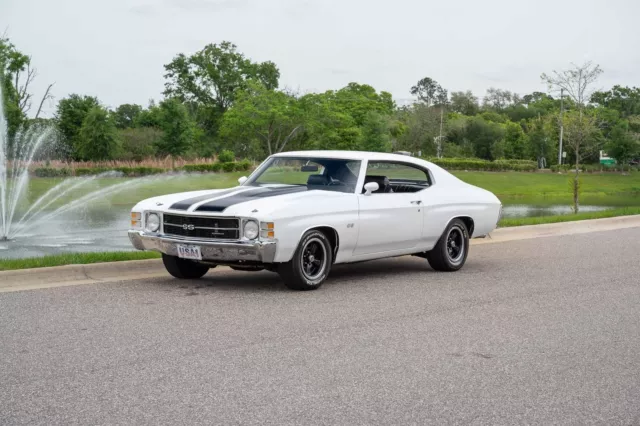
104 228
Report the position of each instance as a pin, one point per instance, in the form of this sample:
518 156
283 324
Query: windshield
328 174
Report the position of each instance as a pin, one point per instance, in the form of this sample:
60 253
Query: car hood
240 201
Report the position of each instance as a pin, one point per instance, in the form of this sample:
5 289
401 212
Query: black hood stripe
185 204
219 205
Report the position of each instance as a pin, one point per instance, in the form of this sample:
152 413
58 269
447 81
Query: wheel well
468 222
332 235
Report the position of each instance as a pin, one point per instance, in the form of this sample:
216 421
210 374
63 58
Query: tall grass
159 163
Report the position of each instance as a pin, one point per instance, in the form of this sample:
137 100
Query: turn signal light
267 230
136 220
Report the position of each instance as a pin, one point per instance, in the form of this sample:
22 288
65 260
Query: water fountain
55 220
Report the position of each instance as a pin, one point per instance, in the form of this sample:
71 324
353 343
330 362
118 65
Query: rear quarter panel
446 202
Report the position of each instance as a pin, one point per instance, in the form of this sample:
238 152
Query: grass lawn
74 259
503 184
518 184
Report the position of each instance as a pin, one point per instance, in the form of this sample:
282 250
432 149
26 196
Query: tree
329 125
580 129
149 117
576 82
498 99
484 136
272 116
179 129
515 141
19 74
625 100
582 137
210 79
125 115
464 103
98 138
430 92
376 133
422 125
622 145
358 100
139 143
70 116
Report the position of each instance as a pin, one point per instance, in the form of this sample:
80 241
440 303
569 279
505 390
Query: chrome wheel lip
322 255
457 244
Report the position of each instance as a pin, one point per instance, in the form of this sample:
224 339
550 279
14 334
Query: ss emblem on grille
187 227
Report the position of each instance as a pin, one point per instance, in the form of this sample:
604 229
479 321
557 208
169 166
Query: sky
116 49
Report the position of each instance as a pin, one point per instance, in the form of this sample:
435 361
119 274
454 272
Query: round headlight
251 230
153 222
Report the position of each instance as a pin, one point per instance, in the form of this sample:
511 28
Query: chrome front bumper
214 251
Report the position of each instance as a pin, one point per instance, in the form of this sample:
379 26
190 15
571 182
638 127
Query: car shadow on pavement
263 281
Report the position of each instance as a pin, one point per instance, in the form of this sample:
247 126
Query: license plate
189 252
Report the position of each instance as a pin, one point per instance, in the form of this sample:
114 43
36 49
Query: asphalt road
543 331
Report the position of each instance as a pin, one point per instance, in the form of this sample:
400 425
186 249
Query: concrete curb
59 276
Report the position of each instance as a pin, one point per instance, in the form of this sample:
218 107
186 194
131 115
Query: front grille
218 228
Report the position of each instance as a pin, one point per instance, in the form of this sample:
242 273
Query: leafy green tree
209 80
464 103
139 143
376 135
179 129
498 99
149 117
270 116
484 136
540 144
622 145
125 115
70 116
17 76
430 92
358 100
625 100
98 138
421 126
328 126
515 141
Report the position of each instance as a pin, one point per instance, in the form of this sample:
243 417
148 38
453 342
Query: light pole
561 126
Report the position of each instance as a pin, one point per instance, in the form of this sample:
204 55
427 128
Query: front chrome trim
212 250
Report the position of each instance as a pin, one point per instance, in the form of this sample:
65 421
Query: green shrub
226 156
202 168
243 165
50 172
485 165
229 167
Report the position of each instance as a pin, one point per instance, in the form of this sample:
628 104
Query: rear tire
184 268
311 263
450 253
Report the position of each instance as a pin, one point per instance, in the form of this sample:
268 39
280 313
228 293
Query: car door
388 221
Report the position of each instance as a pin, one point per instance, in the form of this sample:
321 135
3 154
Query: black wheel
311 262
184 268
450 253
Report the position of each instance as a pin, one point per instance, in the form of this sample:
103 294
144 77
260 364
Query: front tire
184 268
450 253
311 263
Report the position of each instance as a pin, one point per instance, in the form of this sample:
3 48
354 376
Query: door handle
416 202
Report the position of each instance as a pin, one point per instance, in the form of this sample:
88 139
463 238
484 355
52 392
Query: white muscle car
299 213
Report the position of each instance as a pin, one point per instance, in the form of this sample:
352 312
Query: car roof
350 155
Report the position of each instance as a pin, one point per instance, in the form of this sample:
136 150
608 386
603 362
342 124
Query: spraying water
20 220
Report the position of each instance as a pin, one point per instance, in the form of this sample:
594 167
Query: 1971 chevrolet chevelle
299 213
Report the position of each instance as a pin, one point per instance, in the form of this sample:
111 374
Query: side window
397 177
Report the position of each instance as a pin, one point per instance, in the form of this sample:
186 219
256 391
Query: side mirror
371 187
242 180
